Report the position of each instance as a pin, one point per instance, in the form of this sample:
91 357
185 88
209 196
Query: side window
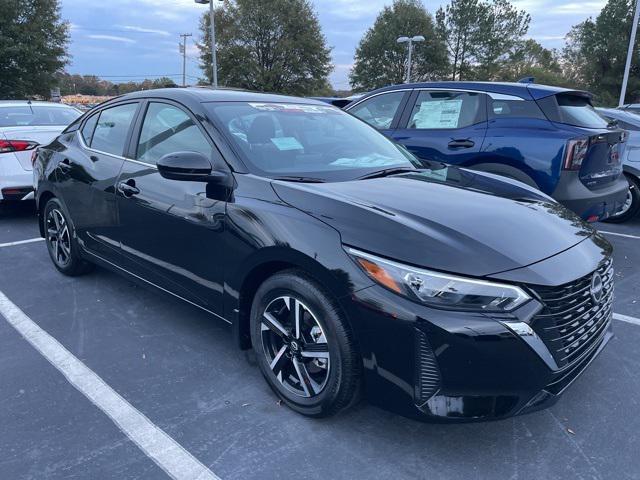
111 131
168 129
380 110
445 110
514 109
88 129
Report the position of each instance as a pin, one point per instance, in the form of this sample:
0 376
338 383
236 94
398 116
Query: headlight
439 289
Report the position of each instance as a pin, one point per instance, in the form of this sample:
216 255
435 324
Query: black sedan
349 267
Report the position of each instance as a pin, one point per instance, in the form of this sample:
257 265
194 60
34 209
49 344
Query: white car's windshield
315 141
36 116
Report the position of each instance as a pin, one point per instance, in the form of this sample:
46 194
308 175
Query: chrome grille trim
571 321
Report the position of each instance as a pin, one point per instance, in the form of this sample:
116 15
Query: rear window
515 109
577 110
37 116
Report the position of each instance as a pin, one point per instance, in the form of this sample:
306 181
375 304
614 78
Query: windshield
37 116
577 110
313 141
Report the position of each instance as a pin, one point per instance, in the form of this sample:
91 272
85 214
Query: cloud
134 28
112 38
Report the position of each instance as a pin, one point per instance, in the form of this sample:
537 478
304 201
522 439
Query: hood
451 219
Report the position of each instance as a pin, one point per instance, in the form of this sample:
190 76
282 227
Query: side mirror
190 167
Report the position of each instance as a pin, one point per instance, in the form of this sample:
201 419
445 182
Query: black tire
338 384
634 207
61 241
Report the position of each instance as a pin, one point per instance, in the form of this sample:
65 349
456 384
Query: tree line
278 46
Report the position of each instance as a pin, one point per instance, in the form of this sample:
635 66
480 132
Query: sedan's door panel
87 175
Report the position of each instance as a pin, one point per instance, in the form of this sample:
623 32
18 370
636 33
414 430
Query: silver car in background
629 121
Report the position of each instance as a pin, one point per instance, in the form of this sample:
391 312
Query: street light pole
410 41
632 42
214 59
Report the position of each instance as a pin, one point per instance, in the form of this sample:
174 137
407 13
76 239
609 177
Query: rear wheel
61 243
304 346
631 205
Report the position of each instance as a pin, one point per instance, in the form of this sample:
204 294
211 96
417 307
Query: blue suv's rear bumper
592 205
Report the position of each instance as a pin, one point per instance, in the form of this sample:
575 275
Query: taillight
16 145
576 153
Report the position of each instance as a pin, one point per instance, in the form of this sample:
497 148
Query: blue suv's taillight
575 153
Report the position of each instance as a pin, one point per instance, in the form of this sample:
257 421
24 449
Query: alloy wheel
295 346
627 203
58 237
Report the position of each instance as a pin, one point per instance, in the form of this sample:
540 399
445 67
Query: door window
110 134
88 129
168 129
446 110
379 111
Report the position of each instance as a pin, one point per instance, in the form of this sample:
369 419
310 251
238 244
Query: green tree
502 27
480 36
530 59
459 24
381 61
268 45
33 42
596 51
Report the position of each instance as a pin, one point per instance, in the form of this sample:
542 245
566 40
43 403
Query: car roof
629 117
23 103
529 91
207 94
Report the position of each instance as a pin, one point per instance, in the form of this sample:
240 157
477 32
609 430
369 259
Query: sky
123 40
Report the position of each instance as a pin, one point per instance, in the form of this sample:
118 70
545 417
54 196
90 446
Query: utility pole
183 50
632 42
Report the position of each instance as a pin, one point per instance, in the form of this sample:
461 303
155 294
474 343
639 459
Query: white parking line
626 318
620 234
177 462
21 242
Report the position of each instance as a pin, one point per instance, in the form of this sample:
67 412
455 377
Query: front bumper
592 205
440 365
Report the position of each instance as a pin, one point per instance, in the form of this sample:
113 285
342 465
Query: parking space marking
21 242
169 455
626 318
626 235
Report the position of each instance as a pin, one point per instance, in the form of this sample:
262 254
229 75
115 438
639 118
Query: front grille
571 321
428 376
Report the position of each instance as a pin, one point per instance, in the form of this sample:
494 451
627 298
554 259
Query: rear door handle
461 143
128 188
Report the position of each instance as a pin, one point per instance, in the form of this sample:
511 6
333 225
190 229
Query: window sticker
287 143
294 108
373 160
438 114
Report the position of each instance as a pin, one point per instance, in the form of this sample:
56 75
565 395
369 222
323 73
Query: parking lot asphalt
179 367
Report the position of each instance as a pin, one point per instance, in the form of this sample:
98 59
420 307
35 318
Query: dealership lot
179 368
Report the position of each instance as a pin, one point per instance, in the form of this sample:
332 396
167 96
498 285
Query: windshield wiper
293 178
386 172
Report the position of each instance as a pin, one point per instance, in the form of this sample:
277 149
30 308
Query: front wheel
631 205
304 346
61 243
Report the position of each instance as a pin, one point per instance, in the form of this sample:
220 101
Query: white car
23 126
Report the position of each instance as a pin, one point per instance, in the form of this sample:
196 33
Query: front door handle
128 188
461 143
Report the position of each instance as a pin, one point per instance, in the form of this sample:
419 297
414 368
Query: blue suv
547 137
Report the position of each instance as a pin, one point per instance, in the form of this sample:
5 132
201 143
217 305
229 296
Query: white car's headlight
439 289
